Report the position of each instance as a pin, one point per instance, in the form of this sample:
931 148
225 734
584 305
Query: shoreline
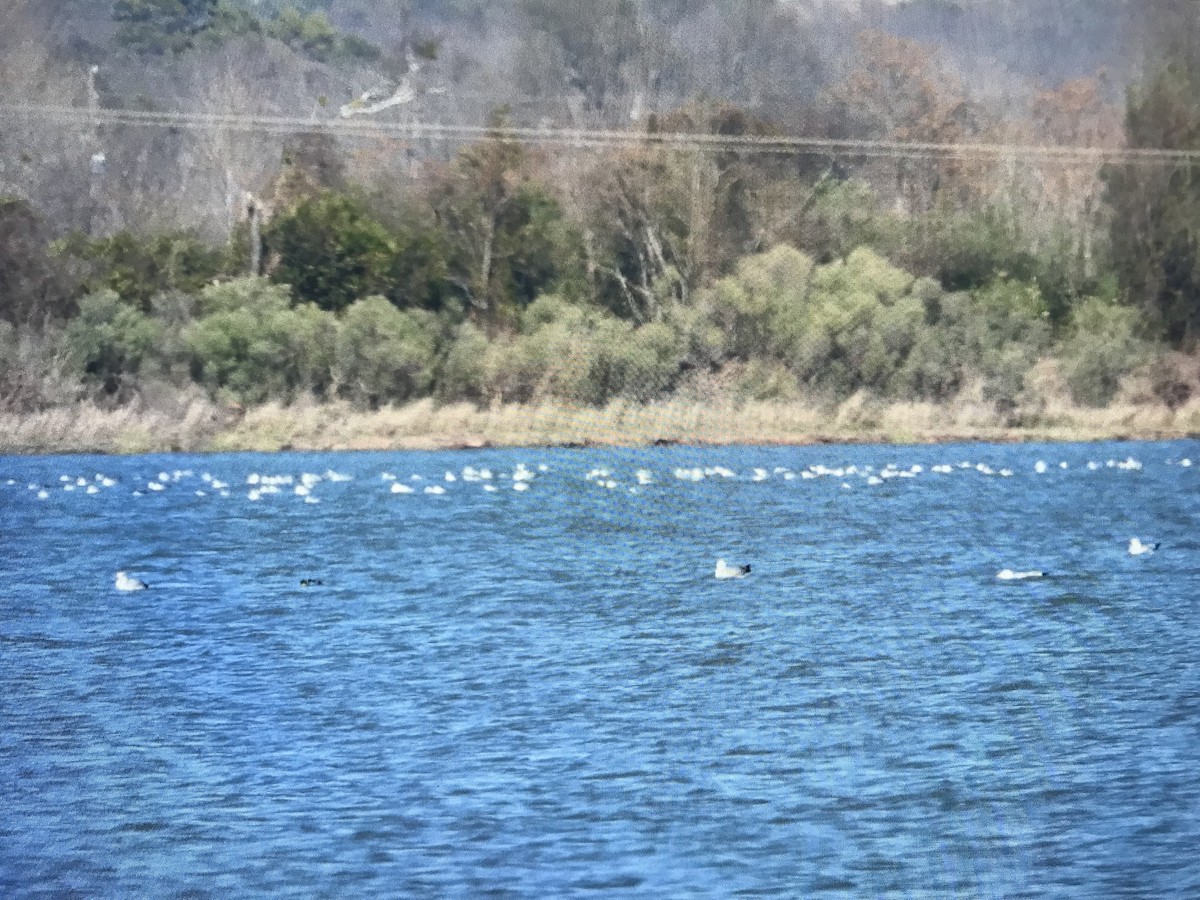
199 426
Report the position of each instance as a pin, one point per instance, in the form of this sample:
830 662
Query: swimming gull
1010 575
1137 548
128 583
727 571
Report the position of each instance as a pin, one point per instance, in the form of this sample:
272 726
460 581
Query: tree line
384 272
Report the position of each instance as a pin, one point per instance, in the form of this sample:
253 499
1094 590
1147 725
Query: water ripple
546 693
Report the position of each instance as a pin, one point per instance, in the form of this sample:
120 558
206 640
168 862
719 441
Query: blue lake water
546 693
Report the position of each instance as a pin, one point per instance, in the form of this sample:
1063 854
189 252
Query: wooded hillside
531 199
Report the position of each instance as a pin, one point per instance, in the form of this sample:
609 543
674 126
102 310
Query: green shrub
766 379
383 353
311 34
252 345
464 372
935 368
1101 348
863 273
841 216
856 326
546 310
1004 329
109 340
966 252
701 342
862 324
248 293
761 306
138 267
569 358
650 361
578 355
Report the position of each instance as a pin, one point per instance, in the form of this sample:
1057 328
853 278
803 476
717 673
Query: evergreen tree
331 251
1156 225
161 26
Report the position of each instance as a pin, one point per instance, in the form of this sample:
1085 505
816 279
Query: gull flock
306 487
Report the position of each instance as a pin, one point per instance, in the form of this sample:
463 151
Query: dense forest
585 200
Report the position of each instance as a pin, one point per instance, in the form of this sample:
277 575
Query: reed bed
198 425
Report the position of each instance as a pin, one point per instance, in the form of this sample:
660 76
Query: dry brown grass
85 427
197 425
171 420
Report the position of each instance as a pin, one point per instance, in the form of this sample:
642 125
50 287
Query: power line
597 138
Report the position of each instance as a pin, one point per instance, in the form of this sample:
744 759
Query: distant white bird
727 571
128 583
1010 575
1137 548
